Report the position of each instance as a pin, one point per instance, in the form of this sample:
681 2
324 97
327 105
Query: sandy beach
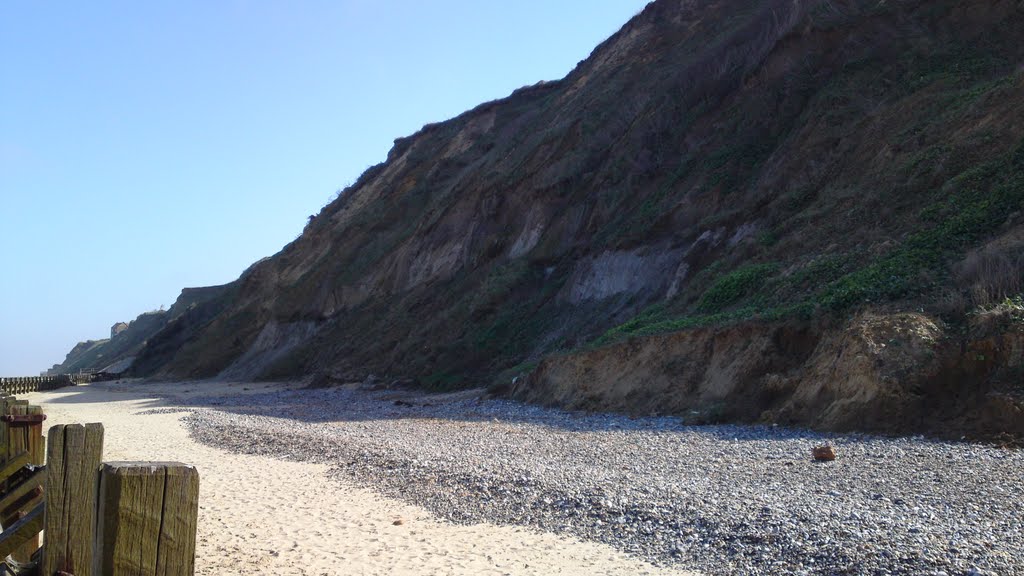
361 479
262 515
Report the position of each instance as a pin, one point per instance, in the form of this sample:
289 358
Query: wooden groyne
27 384
110 519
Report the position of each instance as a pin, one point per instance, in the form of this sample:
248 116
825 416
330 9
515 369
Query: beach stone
824 453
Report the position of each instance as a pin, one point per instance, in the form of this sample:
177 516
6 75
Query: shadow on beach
351 403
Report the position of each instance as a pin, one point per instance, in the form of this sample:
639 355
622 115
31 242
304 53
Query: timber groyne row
26 384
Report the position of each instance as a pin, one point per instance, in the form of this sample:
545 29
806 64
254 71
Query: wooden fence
24 385
110 519
23 453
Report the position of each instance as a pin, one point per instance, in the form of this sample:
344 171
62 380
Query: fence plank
131 501
56 525
177 547
36 442
148 518
14 465
28 485
5 408
21 531
74 453
37 450
17 436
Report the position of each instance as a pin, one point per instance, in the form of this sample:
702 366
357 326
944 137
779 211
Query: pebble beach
260 515
673 498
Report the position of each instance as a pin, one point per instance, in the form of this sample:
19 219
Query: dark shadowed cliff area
803 212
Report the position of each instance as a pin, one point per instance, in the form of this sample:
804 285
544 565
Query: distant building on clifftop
118 328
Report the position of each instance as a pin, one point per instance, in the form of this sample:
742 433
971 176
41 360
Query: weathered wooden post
5 402
16 437
147 522
73 456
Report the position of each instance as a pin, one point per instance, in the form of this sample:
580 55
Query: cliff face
117 354
764 163
893 373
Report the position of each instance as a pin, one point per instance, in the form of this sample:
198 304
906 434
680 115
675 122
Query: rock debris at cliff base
720 499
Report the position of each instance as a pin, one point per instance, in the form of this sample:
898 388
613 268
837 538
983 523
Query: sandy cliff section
896 372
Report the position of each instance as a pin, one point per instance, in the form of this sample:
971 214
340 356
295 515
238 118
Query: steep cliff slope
117 354
757 165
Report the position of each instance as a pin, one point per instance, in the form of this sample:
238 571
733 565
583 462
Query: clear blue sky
150 146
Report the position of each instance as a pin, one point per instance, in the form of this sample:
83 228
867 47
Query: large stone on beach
824 453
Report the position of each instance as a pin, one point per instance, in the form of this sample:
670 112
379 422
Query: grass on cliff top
1012 307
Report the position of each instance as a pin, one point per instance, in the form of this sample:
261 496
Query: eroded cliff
758 180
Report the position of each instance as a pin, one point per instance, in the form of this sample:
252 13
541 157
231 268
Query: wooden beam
148 519
6 401
21 531
56 528
74 453
15 465
17 436
18 507
34 480
177 549
131 497
26 419
36 445
37 451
